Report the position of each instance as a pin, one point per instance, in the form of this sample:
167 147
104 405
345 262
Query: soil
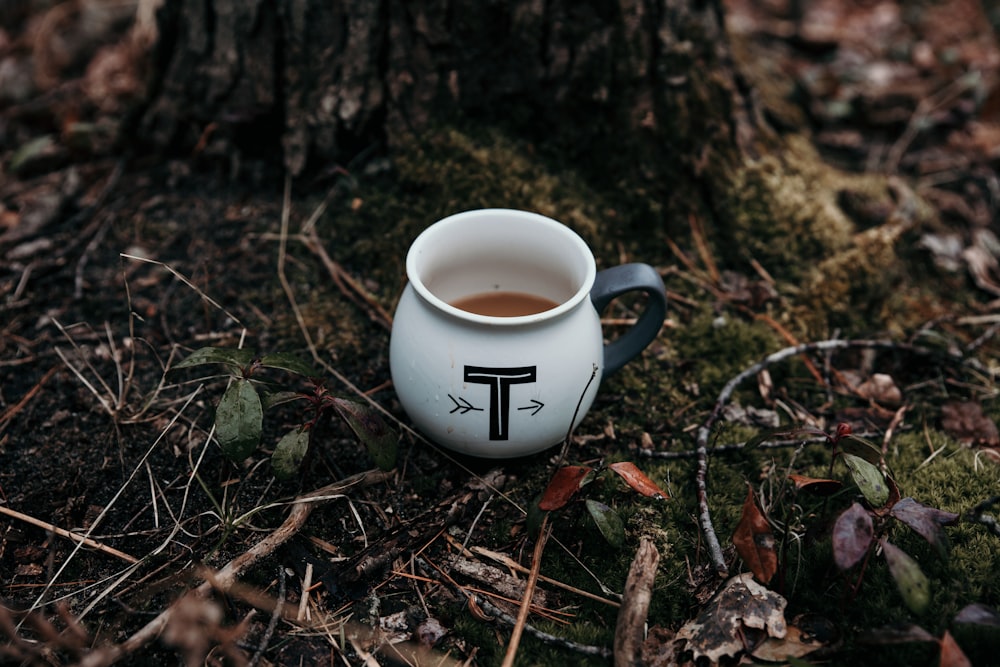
115 267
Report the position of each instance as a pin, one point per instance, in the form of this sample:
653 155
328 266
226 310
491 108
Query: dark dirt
113 268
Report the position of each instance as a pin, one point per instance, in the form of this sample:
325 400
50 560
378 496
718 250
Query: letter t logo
499 381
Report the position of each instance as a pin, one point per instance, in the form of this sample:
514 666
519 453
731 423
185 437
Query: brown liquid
504 304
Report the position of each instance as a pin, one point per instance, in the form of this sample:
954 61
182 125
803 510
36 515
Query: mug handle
618 280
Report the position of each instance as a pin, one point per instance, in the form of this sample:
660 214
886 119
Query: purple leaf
852 536
926 521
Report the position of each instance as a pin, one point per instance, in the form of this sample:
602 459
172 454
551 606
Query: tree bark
315 81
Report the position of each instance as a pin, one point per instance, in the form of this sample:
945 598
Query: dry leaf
720 629
965 421
880 388
951 654
563 486
814 485
755 542
806 633
637 479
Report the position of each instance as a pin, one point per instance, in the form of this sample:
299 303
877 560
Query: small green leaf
273 398
238 420
237 360
608 522
864 449
288 362
910 579
289 453
869 479
380 440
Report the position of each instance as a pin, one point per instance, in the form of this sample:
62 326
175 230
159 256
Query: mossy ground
833 274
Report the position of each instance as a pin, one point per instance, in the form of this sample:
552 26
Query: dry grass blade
69 535
181 277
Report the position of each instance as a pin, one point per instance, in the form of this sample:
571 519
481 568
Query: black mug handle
618 280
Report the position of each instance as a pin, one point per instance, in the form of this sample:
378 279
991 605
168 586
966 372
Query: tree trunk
316 81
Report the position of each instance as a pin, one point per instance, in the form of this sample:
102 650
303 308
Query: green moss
781 211
717 347
853 286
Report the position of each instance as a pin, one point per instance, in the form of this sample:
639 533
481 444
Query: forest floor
120 516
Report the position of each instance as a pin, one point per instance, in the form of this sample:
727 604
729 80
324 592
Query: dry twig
630 628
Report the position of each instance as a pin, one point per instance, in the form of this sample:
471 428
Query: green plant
239 415
859 530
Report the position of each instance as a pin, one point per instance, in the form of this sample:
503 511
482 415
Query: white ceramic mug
506 386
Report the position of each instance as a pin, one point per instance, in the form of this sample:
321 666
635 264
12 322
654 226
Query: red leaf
637 479
754 541
562 487
814 485
852 536
951 654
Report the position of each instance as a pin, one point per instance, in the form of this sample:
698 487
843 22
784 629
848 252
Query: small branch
529 590
978 515
705 430
9 413
509 562
86 541
631 625
721 449
279 607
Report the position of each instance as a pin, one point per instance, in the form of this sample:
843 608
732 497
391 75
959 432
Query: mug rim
564 307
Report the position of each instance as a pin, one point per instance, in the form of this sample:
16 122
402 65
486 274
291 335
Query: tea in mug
504 304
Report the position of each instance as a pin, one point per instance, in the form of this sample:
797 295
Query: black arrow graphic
462 407
538 405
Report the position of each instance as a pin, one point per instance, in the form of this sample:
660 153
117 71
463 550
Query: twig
529 590
279 606
304 599
514 565
978 514
721 449
630 628
300 511
69 535
10 412
705 430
